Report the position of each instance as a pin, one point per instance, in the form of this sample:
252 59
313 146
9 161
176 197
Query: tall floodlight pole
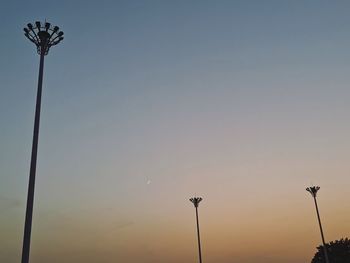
43 36
313 191
196 201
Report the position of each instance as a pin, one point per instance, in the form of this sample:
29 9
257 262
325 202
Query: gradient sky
147 103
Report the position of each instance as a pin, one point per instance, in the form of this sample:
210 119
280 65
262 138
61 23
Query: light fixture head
313 190
196 201
43 35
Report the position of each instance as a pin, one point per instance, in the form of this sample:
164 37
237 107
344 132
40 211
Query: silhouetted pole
43 36
313 191
195 201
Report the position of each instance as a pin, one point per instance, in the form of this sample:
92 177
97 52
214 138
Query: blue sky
146 103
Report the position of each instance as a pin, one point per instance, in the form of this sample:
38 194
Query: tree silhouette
338 251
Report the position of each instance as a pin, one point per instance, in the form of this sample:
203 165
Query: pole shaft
31 185
322 236
199 239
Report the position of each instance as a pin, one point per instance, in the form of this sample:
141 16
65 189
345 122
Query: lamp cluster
196 200
313 190
43 36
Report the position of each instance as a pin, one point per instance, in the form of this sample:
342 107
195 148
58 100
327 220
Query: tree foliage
338 252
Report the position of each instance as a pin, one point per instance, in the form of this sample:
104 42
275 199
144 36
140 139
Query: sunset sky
148 103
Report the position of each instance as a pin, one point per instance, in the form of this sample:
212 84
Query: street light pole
313 191
195 201
43 36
